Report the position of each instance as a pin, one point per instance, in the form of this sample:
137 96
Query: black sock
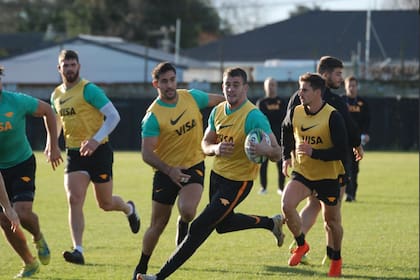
300 240
143 263
336 255
330 252
182 231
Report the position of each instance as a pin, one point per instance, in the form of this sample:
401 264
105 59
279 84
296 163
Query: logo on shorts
331 198
199 172
103 176
26 179
175 121
307 128
224 201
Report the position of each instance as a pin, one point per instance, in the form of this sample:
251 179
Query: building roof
13 43
102 59
317 33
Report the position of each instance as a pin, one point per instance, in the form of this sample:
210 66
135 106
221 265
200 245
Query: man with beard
331 69
81 107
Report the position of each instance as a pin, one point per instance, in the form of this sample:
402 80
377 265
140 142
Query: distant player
275 109
359 111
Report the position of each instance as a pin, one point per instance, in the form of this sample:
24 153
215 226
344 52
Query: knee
287 208
105 205
188 216
75 200
332 225
199 227
158 226
220 230
25 214
314 204
224 226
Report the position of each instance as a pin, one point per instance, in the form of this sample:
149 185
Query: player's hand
365 138
260 149
13 218
177 176
224 149
286 164
53 156
304 149
88 147
358 152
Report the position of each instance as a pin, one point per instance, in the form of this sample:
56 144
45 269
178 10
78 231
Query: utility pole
367 46
177 39
165 32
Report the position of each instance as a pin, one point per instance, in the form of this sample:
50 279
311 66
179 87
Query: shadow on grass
306 271
301 271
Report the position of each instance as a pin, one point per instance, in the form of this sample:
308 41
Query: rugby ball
256 135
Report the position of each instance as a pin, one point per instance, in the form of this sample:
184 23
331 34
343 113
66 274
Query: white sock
79 248
131 209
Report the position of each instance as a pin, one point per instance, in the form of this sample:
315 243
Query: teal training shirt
14 144
255 119
93 94
150 125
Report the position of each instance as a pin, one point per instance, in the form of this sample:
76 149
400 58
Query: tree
302 9
196 16
130 19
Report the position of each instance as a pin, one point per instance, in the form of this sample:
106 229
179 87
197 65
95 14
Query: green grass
381 238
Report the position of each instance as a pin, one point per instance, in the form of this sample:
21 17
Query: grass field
381 238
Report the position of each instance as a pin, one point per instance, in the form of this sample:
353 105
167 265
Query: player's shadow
306 271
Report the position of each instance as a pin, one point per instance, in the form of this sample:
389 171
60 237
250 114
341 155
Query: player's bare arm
149 156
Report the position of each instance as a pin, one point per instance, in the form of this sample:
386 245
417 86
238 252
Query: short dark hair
68 54
328 64
1 70
351 78
236 72
315 80
162 68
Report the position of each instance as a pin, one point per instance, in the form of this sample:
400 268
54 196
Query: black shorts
20 180
328 190
98 165
165 191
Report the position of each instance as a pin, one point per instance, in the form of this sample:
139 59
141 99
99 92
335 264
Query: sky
250 14
280 9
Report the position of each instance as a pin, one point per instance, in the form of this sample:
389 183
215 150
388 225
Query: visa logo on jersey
67 112
186 127
312 139
5 126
